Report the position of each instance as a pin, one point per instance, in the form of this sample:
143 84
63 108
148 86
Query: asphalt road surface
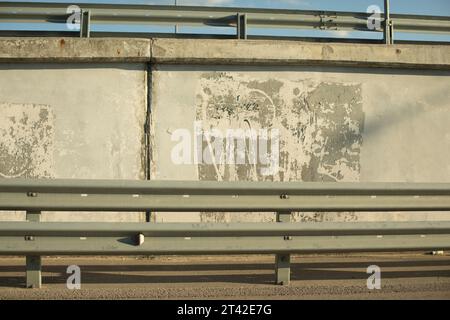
403 276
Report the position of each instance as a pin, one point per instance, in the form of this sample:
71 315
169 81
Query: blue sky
429 7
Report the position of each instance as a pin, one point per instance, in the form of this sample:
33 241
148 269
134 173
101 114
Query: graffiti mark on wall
320 125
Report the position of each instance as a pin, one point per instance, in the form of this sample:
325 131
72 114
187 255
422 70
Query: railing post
85 24
283 260
388 24
33 263
241 30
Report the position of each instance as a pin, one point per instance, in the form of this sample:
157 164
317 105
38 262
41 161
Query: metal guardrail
239 18
34 239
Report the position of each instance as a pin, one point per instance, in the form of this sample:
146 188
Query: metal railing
33 238
241 19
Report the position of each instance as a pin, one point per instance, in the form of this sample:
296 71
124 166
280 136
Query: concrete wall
73 121
335 124
344 112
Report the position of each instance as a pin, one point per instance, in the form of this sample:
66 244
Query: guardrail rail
34 239
54 17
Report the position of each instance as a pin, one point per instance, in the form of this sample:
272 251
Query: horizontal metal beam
218 245
123 195
124 34
188 203
171 187
109 34
221 229
121 14
19 12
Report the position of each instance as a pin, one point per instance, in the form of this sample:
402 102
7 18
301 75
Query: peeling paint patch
329 125
320 125
26 141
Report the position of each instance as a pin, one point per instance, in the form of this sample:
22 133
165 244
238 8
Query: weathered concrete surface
74 50
27 141
174 51
73 121
236 52
346 112
335 124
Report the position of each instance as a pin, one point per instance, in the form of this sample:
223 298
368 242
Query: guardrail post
85 24
388 24
241 29
283 260
33 263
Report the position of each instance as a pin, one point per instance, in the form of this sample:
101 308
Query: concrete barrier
111 108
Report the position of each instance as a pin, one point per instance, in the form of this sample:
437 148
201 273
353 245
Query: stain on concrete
320 124
26 141
332 115
327 51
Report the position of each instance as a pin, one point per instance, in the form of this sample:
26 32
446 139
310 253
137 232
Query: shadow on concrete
231 273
